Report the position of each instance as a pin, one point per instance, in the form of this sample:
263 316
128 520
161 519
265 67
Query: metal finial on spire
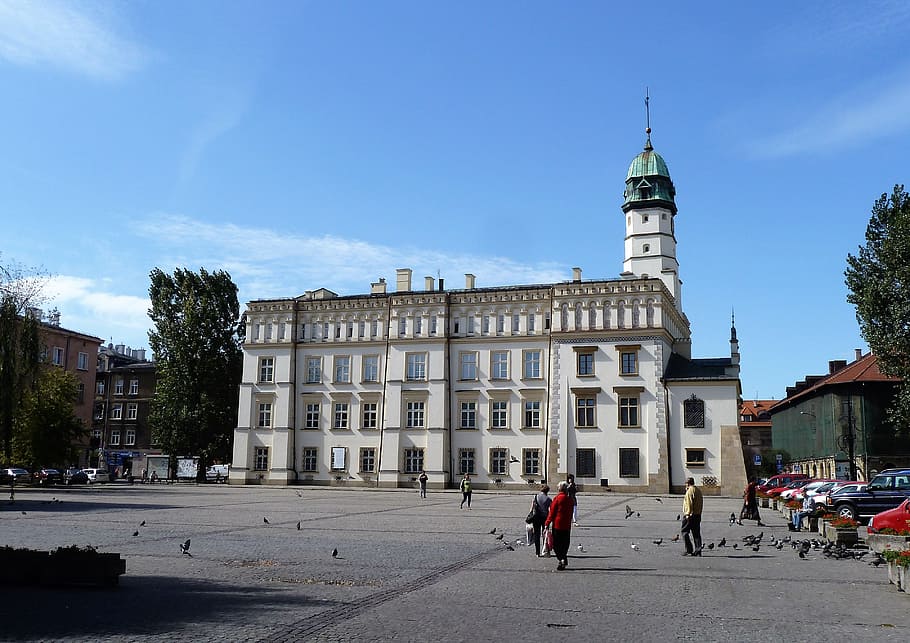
648 146
733 325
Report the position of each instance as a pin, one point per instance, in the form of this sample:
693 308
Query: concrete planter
842 536
822 526
765 503
897 575
880 542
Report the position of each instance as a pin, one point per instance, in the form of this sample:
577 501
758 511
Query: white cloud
65 35
225 117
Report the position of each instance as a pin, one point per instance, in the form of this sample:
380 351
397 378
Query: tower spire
648 146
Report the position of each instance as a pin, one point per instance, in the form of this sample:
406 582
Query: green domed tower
650 208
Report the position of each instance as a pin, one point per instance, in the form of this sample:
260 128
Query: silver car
97 475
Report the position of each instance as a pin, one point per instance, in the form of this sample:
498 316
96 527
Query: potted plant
898 562
842 531
888 538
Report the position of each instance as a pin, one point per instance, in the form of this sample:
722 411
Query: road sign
757 459
779 458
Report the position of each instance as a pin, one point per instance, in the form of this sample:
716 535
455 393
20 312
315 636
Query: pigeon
629 511
499 536
658 541
299 495
732 519
637 514
711 546
185 548
678 516
735 546
142 524
878 560
722 543
136 533
659 500
801 553
509 547
266 520
779 545
493 531
298 525
335 553
518 541
675 538
24 514
636 547
581 549
756 547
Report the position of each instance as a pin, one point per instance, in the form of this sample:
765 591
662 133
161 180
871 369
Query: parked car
885 491
897 519
780 480
217 473
796 484
97 475
796 487
811 489
75 476
48 477
826 498
14 474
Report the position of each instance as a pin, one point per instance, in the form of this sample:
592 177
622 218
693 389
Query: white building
513 384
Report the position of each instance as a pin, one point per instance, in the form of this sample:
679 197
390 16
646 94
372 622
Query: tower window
644 192
646 248
644 218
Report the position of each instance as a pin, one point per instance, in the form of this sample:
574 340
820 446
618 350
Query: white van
217 473
97 475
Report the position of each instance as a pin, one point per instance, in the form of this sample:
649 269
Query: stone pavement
418 570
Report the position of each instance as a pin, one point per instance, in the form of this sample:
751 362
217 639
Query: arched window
636 313
694 413
606 319
592 316
564 317
578 316
621 314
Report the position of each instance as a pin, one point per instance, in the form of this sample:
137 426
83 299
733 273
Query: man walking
691 522
422 479
465 487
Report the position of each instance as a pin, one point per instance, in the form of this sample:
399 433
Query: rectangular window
311 418
468 363
361 329
325 331
99 387
695 457
500 324
132 411
416 366
585 407
342 369
374 328
532 365
485 324
116 411
433 325
340 420
82 362
499 414
266 369
371 368
310 459
337 330
367 459
471 321
402 326
628 463
80 393
261 459
130 437
313 370
585 363
516 322
134 387
584 463
58 356
469 415
465 461
350 329
500 365
532 414
628 411
531 460
339 459
694 413
118 386
99 411
499 462
265 415
413 460
96 434
268 331
418 326
415 415
370 418
531 322
628 362
115 437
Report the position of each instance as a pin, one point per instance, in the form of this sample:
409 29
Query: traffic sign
757 459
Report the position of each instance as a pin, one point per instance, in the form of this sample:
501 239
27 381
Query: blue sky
324 144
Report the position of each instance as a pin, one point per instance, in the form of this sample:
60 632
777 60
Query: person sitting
807 509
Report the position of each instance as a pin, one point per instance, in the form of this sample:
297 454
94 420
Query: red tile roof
865 369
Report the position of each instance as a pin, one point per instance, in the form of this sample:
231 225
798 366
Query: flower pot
846 536
880 542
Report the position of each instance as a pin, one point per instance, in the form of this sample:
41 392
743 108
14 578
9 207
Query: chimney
428 284
403 281
858 352
378 288
120 348
441 284
835 365
576 274
140 354
469 281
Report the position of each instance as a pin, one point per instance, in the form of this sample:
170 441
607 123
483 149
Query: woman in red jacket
560 519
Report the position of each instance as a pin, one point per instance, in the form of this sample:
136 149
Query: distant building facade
814 423
755 431
511 384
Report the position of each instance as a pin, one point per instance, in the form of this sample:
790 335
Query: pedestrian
691 521
572 492
422 479
465 487
559 519
541 506
750 503
145 475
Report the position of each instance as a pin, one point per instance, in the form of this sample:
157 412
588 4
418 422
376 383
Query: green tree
20 346
46 425
878 279
196 342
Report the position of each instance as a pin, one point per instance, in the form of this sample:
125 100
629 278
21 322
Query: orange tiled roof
865 369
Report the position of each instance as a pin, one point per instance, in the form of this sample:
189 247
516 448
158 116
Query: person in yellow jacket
691 519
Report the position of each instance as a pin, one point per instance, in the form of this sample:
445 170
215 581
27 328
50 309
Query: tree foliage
878 278
196 342
20 346
46 426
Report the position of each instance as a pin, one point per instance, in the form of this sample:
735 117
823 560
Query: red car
796 484
897 519
780 480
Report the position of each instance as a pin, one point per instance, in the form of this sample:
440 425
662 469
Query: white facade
513 384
